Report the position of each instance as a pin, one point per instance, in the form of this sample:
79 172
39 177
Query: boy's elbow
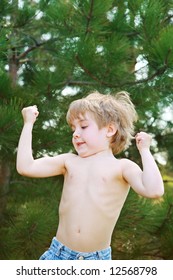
159 192
157 195
22 171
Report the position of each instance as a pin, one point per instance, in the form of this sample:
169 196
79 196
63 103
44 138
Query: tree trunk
13 66
4 186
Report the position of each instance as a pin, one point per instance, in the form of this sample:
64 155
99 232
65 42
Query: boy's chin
87 154
83 155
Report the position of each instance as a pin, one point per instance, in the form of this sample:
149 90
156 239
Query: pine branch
80 83
24 54
169 213
88 72
37 45
158 72
89 17
168 18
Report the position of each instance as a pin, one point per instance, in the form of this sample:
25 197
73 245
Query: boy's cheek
74 145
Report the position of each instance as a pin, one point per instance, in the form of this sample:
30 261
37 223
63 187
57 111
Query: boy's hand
143 140
30 114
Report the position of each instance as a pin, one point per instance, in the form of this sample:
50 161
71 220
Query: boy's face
88 139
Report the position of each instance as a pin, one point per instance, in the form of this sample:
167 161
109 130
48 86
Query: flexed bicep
46 167
132 173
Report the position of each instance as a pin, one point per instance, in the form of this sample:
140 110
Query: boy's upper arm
47 166
132 173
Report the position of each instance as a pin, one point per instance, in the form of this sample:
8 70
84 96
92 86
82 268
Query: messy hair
115 109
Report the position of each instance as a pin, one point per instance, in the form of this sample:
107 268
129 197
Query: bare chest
97 185
86 174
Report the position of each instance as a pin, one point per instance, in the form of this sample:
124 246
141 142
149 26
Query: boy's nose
76 134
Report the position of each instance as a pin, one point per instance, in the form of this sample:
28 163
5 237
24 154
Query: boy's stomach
85 234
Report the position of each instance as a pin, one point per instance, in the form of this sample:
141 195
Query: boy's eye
83 127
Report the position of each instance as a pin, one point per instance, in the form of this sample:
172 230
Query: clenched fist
30 114
143 140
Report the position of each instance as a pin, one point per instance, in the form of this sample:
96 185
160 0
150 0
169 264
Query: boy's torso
92 198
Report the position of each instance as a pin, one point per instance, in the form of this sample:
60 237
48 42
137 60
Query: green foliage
152 13
33 219
161 48
144 228
30 219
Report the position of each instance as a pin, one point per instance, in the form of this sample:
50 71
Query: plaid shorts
58 251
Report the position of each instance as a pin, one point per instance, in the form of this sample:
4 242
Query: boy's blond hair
115 109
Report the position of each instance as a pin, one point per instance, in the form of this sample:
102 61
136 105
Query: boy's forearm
151 177
24 152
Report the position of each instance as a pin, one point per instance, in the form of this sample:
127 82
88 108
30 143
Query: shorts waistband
56 245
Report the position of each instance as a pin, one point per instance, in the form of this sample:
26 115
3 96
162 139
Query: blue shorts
58 251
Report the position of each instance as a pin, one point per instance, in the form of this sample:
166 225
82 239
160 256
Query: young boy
96 184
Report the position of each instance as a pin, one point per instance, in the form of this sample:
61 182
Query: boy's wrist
145 150
28 124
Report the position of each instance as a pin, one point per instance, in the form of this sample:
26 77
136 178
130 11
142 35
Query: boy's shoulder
69 156
129 166
63 158
126 162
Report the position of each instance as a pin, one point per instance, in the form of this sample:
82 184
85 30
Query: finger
35 108
36 113
137 134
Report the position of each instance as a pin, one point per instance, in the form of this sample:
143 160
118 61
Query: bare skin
92 198
96 184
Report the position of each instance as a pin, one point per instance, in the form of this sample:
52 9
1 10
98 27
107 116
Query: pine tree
49 46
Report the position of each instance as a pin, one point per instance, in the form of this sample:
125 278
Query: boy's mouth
80 144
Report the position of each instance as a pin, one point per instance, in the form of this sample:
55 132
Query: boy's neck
106 152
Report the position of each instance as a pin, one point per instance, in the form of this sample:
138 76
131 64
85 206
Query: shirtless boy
96 184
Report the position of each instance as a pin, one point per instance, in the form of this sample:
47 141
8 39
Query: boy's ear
111 130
